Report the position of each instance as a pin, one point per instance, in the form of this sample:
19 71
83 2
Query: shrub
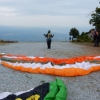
84 38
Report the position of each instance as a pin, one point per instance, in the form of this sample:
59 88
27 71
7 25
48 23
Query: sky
52 14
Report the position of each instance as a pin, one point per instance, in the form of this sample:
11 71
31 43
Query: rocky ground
79 88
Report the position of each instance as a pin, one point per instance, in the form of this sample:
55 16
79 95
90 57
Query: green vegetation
95 20
79 38
74 32
83 38
8 41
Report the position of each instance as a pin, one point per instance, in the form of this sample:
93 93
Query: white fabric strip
82 65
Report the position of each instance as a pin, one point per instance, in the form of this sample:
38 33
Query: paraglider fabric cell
75 66
55 90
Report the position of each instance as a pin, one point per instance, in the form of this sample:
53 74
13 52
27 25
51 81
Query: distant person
49 40
70 38
96 38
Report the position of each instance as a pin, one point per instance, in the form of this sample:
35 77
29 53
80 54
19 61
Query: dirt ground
70 49
79 88
88 48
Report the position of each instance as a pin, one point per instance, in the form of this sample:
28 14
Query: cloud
7 12
48 7
46 21
55 13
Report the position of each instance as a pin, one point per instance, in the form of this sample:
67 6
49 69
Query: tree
74 32
95 20
84 37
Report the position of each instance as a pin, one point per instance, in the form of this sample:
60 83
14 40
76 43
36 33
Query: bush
84 38
79 40
8 41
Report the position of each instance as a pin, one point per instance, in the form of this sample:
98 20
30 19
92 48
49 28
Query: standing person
49 40
96 38
70 38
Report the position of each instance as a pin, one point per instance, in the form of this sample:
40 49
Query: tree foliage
74 32
84 37
95 20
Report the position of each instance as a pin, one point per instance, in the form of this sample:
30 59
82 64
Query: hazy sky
47 13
